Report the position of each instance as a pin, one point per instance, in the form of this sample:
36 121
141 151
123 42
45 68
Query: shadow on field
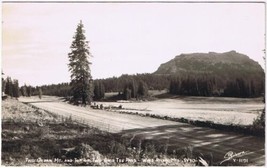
204 100
44 101
209 144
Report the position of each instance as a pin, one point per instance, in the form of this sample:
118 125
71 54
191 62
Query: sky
124 38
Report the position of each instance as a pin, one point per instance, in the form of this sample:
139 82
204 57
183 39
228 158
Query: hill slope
228 74
211 63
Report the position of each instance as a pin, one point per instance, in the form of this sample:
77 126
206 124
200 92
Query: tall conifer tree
81 79
15 88
9 86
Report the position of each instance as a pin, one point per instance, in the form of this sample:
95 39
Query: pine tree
133 88
3 85
29 91
142 89
99 90
23 90
9 87
15 88
81 79
40 93
127 93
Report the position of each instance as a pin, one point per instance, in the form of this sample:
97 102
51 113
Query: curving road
214 143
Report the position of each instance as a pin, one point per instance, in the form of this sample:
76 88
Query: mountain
224 64
222 74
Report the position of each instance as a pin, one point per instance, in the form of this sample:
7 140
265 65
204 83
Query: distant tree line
65 90
128 86
61 90
11 88
187 84
153 81
137 86
206 85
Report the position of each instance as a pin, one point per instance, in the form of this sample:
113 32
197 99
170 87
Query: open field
220 110
175 137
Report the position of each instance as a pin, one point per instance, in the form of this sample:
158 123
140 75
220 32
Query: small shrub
150 150
260 121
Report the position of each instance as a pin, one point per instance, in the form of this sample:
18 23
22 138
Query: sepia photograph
133 83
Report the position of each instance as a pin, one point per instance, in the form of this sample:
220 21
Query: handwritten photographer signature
231 155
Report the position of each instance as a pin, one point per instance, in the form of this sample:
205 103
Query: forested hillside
214 74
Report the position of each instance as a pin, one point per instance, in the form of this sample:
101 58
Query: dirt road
210 143
104 120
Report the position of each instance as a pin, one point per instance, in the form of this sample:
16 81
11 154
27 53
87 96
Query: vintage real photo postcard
133 83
